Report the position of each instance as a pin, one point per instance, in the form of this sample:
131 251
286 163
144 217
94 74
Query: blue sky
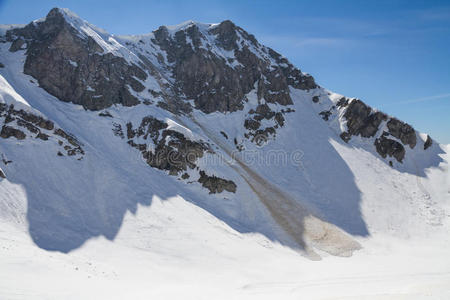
394 55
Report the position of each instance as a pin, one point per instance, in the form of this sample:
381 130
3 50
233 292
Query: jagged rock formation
170 150
221 83
403 132
386 146
73 67
256 133
77 69
215 184
362 120
21 124
428 143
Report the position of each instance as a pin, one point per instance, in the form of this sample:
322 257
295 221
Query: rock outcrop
215 184
170 150
388 147
427 143
8 132
362 119
21 124
403 132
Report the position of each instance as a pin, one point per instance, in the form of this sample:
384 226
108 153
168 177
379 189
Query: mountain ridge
180 101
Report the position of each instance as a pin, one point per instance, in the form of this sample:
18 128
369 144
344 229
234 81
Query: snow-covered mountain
197 137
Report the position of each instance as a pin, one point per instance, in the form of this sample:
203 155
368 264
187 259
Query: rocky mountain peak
215 65
72 61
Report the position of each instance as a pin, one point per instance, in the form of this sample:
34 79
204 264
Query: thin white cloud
307 42
320 42
423 99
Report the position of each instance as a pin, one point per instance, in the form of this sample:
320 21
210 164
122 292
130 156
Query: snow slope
122 229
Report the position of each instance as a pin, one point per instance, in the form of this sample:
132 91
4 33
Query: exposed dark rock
427 143
2 65
8 132
403 132
287 110
173 152
34 124
279 118
105 114
2 175
345 136
385 147
343 102
75 68
140 147
71 139
117 130
59 153
42 136
315 99
130 131
215 184
155 93
29 118
28 126
91 81
216 84
263 111
17 45
179 153
251 124
325 114
5 161
77 149
224 135
261 136
226 35
294 77
362 120
9 118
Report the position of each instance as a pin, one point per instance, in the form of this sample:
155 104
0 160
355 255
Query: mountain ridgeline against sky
94 124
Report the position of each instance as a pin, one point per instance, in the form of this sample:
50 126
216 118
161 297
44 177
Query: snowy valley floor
176 250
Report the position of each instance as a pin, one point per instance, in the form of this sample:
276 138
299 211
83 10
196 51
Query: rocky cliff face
220 83
74 67
214 66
